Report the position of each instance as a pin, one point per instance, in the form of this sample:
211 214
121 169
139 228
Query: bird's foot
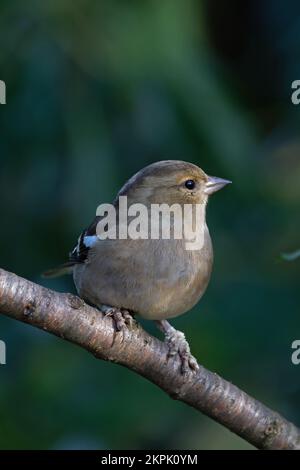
121 317
178 345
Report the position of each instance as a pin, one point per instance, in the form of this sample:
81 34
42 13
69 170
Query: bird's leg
121 316
128 317
178 345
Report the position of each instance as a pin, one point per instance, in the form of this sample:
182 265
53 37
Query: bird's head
170 182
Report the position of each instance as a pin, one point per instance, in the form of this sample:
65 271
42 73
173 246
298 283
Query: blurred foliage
95 91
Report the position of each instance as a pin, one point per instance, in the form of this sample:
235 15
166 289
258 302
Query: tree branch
68 317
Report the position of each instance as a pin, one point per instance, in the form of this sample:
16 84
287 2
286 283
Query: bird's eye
190 184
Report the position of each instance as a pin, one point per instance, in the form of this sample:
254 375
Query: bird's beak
214 183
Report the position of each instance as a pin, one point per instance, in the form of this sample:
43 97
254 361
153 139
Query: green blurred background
95 91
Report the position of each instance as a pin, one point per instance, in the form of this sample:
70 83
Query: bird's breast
181 278
158 279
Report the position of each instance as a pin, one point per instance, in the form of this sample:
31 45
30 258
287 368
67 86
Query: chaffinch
156 278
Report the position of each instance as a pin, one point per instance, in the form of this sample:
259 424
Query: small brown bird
156 278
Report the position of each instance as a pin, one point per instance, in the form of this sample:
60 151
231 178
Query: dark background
95 91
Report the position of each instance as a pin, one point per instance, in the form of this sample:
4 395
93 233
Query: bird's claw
128 318
120 316
178 345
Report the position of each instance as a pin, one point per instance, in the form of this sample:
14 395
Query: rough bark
68 317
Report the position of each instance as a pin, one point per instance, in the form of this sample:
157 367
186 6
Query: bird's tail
66 268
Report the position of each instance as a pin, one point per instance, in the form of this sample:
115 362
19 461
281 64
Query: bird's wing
80 253
85 242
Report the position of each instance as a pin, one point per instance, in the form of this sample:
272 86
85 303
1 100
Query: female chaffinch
157 278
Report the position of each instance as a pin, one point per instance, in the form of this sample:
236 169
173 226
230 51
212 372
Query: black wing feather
80 252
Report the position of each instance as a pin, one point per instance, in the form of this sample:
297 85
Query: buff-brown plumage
158 279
